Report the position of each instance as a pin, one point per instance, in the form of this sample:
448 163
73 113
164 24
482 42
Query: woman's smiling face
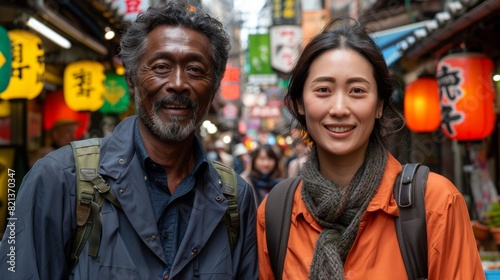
340 102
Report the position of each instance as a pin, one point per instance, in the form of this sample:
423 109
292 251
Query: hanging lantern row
27 67
461 99
86 87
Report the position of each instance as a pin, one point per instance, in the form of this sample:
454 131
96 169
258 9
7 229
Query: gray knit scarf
338 209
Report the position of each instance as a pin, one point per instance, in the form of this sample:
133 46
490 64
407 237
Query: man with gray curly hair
171 223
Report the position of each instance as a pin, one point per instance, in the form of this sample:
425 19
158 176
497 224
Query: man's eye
195 69
160 67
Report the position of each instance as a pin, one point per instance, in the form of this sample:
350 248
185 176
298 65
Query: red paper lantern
467 96
422 109
55 110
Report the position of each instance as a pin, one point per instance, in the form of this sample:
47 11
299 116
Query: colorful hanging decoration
116 96
467 96
55 111
5 59
84 85
27 67
422 109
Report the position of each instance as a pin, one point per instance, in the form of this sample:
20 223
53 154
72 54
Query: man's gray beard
173 132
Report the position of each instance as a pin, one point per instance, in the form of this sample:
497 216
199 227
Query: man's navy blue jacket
45 225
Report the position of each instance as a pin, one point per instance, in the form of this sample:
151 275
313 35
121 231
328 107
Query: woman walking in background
264 173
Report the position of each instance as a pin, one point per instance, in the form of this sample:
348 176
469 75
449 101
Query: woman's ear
300 108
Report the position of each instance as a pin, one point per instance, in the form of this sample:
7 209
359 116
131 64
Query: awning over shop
389 41
457 21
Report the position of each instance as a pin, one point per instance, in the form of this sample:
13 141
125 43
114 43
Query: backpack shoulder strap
278 212
91 190
409 192
230 191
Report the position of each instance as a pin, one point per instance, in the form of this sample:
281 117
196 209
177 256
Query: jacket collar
117 150
383 199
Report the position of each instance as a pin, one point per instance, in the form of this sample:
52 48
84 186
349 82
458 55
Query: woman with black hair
264 173
342 222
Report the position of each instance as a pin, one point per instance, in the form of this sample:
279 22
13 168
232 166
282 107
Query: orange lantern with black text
27 66
55 111
422 109
467 96
84 86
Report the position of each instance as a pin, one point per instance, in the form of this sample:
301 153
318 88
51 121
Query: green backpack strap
278 218
409 192
91 190
232 219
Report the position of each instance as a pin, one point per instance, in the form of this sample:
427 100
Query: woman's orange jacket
375 253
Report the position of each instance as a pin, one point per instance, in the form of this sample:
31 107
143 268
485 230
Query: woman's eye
357 90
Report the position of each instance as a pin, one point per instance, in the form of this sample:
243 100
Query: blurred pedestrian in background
222 155
241 158
301 150
61 134
264 173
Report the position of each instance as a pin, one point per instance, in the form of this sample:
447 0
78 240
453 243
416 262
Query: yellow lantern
84 85
28 66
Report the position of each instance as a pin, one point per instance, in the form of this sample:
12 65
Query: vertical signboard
286 12
230 84
259 60
131 8
285 46
259 54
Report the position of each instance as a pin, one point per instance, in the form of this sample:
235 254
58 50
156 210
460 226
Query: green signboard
259 47
5 59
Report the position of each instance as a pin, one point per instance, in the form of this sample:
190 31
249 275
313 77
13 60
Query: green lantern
116 96
5 59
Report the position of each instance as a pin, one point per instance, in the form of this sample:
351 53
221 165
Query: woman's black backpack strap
409 192
278 212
